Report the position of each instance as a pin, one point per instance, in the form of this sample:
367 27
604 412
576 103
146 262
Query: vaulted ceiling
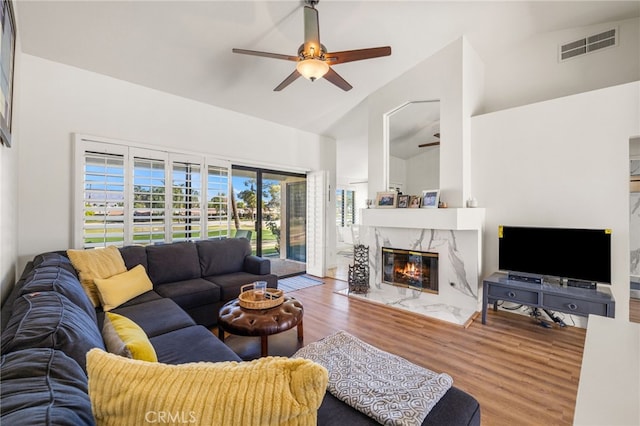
184 47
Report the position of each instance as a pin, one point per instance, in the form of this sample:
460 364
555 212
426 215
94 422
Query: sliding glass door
271 206
297 220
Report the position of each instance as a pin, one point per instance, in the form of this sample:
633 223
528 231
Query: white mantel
454 219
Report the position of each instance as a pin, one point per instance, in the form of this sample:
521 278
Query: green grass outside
268 239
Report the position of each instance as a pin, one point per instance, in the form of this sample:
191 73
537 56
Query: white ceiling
184 47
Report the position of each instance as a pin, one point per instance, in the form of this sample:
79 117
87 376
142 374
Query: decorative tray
250 299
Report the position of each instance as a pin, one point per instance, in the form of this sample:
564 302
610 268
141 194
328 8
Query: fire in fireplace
408 268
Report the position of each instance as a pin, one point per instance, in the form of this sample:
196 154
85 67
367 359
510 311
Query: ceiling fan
424 145
313 60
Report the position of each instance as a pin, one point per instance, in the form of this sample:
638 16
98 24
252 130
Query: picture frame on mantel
386 200
430 198
7 59
403 201
414 202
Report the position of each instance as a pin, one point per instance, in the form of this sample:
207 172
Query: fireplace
409 268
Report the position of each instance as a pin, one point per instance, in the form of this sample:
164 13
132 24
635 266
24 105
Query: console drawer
574 306
513 295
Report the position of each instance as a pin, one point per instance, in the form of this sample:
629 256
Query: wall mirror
412 146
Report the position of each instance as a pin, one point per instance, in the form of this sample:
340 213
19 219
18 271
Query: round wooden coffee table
235 319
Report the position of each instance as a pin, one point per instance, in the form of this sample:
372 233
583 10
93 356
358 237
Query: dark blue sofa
49 324
202 276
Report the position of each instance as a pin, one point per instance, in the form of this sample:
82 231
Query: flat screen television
571 253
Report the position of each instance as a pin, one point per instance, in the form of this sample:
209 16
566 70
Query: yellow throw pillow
125 338
96 263
267 391
120 288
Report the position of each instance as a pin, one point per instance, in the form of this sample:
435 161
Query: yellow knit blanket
267 391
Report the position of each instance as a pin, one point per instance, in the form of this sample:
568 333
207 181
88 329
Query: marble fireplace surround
455 234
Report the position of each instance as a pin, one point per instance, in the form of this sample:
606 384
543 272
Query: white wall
417 173
9 189
528 73
438 77
58 100
351 155
531 72
8 216
563 162
541 162
423 171
397 174
351 165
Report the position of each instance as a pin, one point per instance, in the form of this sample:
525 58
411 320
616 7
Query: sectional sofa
50 324
200 277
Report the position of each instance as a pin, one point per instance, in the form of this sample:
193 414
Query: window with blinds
129 195
345 207
103 199
217 201
186 189
149 195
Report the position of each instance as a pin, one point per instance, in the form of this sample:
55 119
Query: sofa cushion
96 263
271 390
120 288
43 387
143 298
454 408
157 316
222 256
172 262
134 256
46 277
203 346
190 293
230 283
50 320
125 338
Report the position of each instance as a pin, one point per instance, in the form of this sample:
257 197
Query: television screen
578 254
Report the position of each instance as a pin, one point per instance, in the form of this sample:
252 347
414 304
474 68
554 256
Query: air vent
588 44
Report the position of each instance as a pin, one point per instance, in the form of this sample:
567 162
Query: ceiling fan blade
265 54
311 31
335 78
357 55
287 81
424 145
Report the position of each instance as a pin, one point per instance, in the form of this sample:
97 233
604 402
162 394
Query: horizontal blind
349 208
218 201
103 200
339 208
186 190
149 198
127 195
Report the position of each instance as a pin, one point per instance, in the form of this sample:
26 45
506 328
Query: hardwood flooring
634 310
521 373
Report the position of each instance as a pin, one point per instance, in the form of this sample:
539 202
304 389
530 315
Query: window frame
347 207
129 151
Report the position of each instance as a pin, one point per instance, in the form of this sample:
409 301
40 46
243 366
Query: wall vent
588 44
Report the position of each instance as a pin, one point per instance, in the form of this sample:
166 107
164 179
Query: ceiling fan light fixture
312 69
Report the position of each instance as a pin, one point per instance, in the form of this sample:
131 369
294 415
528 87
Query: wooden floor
634 310
521 373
